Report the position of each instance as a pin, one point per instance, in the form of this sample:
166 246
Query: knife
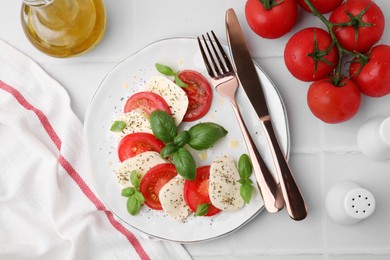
249 80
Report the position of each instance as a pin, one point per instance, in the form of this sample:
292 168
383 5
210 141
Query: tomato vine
355 22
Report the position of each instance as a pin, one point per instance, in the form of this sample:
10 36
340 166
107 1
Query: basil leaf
246 192
138 195
181 139
245 181
127 192
133 205
244 166
165 70
118 126
135 180
205 135
168 150
185 163
179 82
163 126
202 209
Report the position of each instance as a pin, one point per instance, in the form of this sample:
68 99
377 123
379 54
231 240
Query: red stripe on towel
72 172
99 205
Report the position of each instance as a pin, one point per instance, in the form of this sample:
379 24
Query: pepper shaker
374 138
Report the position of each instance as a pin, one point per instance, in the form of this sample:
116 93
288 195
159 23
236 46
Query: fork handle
269 189
295 203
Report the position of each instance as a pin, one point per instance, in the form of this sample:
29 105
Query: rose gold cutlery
225 81
250 82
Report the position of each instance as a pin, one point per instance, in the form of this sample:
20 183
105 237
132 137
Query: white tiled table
321 155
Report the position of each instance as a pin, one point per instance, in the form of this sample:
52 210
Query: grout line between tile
323 191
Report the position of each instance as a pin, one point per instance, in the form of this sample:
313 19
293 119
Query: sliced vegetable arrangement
156 166
318 56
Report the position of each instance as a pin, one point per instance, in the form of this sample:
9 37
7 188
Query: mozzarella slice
136 121
141 163
174 95
224 186
172 199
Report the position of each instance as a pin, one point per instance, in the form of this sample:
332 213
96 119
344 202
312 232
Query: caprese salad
157 169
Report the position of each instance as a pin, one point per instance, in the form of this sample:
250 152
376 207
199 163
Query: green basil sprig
245 171
167 71
163 126
182 138
185 163
168 149
118 126
135 199
205 135
200 137
202 209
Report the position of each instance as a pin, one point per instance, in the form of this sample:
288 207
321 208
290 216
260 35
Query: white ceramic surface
129 76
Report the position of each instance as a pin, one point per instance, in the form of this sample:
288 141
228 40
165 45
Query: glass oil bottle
64 28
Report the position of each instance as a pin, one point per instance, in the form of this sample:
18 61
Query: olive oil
64 28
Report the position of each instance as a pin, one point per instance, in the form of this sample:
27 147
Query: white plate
128 77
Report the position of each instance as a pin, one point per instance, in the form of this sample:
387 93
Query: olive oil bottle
64 28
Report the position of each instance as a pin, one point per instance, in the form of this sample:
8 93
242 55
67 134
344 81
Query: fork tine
205 59
216 60
225 57
215 66
217 55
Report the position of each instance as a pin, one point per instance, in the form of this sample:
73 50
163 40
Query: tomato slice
197 191
199 92
147 101
136 143
153 181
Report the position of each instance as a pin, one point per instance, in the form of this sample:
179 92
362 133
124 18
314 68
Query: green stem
267 4
338 76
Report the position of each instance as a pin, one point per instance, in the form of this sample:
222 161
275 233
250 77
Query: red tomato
333 104
197 191
147 101
304 61
322 6
153 181
367 35
273 22
199 92
374 78
136 143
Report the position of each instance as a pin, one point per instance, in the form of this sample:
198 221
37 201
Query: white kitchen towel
48 207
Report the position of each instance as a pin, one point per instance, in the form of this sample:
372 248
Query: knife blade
251 84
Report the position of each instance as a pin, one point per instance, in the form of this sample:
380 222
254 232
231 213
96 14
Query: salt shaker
374 138
348 203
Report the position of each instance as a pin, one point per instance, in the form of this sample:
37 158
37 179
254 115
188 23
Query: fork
225 81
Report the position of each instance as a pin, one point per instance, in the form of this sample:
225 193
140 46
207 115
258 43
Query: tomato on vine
310 55
372 74
360 24
322 6
271 19
334 103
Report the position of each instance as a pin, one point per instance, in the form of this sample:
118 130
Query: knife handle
293 198
269 189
